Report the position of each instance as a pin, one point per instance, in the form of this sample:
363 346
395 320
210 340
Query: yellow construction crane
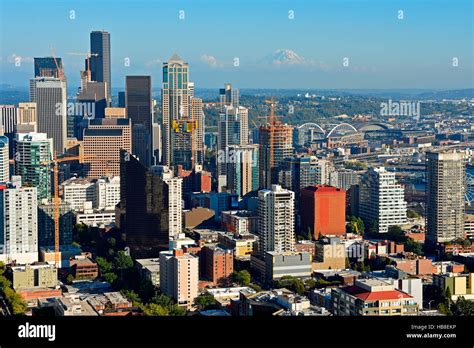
60 70
88 56
55 162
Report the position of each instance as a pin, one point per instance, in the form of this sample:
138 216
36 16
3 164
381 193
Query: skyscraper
232 129
183 118
100 60
228 96
242 169
51 99
445 189
32 153
8 118
381 200
18 224
4 159
143 210
102 142
138 103
276 220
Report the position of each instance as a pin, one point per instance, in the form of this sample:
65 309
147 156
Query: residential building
276 228
35 275
323 211
242 171
217 264
149 269
381 200
179 276
46 224
459 284
445 189
372 297
18 224
33 154
239 222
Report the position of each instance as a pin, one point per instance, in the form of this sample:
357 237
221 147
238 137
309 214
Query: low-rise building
293 264
459 284
330 253
149 269
239 221
83 267
371 297
36 275
242 245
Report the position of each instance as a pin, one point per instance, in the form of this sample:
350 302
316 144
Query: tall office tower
183 118
196 113
18 224
323 211
121 99
27 114
179 276
242 170
143 210
381 200
8 118
232 129
92 99
298 172
275 145
175 198
228 97
157 149
445 187
51 99
138 103
32 151
276 217
46 224
4 158
46 67
100 60
102 142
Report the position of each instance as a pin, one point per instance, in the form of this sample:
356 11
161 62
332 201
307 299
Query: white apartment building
102 194
175 197
179 276
19 224
276 214
382 199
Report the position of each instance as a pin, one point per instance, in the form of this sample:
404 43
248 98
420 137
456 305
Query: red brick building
323 210
217 264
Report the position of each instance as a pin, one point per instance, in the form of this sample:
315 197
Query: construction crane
88 56
60 70
55 162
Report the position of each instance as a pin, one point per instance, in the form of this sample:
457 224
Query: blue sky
383 51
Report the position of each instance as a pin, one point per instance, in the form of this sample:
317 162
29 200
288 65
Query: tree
411 245
104 265
122 262
110 277
70 278
132 296
204 301
242 277
152 309
162 300
177 311
411 214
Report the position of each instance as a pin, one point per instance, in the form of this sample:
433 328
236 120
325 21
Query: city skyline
285 45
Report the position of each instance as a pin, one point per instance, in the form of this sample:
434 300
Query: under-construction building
276 144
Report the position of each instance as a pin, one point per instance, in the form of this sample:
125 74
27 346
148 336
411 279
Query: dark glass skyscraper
143 208
139 109
100 59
